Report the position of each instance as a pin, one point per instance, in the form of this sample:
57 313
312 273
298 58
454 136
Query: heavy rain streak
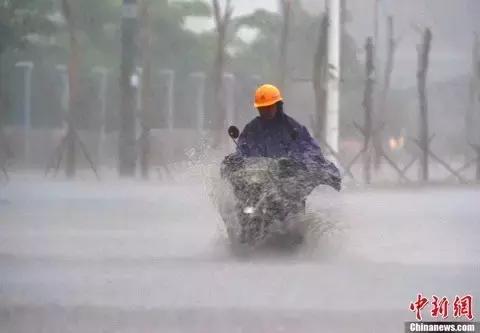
239 166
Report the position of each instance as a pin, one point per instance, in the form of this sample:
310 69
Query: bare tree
423 63
368 106
391 48
222 21
71 138
382 110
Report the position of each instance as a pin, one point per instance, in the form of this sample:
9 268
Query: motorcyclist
276 135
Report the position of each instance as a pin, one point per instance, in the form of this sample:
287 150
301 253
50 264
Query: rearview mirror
233 132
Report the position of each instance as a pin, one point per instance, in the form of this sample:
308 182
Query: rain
120 204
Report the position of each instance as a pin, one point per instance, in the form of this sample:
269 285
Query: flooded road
135 257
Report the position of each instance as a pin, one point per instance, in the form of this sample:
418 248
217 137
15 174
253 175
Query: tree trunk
423 62
367 104
388 67
218 70
222 20
382 110
73 66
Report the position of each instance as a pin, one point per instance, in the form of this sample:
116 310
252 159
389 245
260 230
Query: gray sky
241 7
245 6
452 22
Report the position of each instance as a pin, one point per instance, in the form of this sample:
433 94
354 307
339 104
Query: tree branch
216 13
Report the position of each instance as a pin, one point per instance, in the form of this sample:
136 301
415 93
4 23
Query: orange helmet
267 95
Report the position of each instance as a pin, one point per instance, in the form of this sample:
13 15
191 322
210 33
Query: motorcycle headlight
255 179
249 210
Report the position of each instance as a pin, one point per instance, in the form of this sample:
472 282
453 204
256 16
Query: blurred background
192 67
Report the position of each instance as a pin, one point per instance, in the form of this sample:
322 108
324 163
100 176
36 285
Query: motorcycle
269 199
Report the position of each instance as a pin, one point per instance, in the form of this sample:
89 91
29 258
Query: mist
115 125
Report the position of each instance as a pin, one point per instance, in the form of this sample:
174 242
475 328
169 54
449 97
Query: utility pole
146 95
286 6
333 95
127 140
223 18
377 111
320 80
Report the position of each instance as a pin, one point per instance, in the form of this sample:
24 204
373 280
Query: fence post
27 68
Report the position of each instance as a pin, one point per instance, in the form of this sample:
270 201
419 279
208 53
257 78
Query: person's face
268 112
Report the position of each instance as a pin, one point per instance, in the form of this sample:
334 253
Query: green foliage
21 20
98 26
260 56
180 10
173 45
267 23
